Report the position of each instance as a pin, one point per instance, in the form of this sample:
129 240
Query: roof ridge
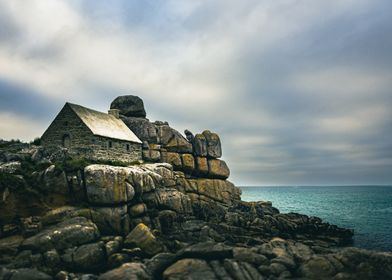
104 124
89 109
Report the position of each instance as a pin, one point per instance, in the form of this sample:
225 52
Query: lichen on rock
174 216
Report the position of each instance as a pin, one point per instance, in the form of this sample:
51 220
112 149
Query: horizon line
307 185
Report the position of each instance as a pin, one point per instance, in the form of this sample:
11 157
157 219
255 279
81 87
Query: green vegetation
13 182
6 144
75 164
36 141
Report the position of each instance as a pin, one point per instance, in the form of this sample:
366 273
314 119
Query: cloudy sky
298 90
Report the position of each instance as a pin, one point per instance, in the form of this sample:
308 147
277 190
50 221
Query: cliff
174 215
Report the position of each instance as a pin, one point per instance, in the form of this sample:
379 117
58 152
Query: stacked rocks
176 218
196 156
123 196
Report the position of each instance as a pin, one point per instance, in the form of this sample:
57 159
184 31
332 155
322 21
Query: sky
299 91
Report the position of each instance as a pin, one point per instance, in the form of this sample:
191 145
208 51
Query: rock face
200 145
65 235
214 149
108 184
142 237
195 155
176 216
129 106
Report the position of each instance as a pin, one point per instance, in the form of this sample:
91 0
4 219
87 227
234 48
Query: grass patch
8 144
76 164
36 141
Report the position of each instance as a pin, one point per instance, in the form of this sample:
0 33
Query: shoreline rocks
173 216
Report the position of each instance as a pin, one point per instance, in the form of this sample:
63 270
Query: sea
366 209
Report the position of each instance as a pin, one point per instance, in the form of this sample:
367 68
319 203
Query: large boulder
218 169
172 158
172 140
178 143
137 210
143 128
73 232
113 220
170 199
131 271
18 200
54 183
201 166
108 184
188 163
89 257
152 153
214 148
189 269
200 145
142 237
54 180
214 190
129 105
23 274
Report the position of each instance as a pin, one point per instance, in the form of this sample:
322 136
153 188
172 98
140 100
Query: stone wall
67 123
82 142
102 148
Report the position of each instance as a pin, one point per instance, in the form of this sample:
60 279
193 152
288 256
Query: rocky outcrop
110 185
175 216
67 234
214 149
209 190
129 106
142 237
147 221
196 156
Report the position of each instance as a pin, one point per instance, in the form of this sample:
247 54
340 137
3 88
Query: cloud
27 102
299 91
14 126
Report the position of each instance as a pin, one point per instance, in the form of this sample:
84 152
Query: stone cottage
94 135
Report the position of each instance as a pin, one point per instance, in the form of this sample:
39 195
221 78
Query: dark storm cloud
24 101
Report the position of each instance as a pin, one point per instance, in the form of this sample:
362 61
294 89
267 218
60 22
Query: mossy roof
103 124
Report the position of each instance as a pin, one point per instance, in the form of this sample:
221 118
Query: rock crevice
174 216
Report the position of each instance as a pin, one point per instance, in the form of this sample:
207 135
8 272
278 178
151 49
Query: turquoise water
366 209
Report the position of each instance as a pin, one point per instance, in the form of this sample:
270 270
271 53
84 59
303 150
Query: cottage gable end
66 128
